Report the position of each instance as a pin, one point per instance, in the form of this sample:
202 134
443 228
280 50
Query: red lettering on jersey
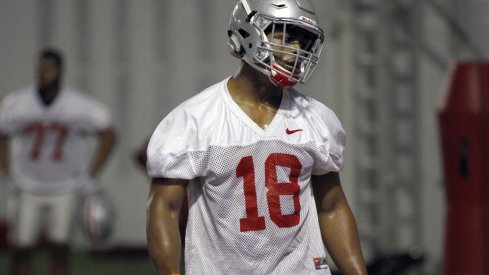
246 170
277 189
252 222
40 130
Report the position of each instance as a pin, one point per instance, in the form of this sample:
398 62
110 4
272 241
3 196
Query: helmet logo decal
308 20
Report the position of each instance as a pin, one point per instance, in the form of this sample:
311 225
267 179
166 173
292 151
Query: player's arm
162 231
140 154
338 226
106 139
4 155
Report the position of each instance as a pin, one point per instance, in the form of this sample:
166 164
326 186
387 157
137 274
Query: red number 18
246 170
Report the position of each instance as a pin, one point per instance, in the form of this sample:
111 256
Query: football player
259 160
46 128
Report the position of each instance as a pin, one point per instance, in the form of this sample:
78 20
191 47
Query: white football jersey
251 205
50 146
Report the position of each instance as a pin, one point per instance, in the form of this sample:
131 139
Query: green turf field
84 263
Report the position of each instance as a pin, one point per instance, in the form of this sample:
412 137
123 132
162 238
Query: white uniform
252 209
50 144
49 157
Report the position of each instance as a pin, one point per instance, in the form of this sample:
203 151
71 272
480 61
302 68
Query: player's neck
48 94
251 86
255 95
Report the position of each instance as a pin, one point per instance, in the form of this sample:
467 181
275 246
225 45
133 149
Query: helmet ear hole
235 47
243 33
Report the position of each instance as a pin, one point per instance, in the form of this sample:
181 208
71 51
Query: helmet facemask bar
298 63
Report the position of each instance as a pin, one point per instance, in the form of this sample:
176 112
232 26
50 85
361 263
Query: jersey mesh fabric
50 143
252 209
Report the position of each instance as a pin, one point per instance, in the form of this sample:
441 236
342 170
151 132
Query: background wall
143 57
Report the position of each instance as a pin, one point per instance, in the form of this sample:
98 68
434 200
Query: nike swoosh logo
290 132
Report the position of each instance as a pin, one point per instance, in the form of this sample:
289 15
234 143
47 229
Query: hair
53 54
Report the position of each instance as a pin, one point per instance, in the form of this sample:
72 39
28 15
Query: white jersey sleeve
10 111
94 115
169 148
177 147
332 138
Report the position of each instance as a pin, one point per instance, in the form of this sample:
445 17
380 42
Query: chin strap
278 75
281 77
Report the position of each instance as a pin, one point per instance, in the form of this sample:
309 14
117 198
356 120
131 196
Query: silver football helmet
252 37
98 214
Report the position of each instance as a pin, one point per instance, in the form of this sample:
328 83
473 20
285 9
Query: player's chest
266 161
262 116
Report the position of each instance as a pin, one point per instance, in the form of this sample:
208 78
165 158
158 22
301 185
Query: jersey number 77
40 131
